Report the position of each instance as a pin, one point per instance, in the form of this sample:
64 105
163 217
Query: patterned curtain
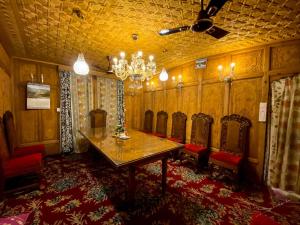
66 137
120 103
84 100
82 103
284 148
106 99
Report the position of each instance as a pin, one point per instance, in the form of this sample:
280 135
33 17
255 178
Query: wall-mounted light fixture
226 78
163 76
179 82
150 86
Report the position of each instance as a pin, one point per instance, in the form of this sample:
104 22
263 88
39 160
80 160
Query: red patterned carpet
78 189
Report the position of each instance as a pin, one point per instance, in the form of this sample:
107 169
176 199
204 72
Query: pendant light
163 76
80 66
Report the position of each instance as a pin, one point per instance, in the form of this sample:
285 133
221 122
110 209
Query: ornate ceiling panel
48 30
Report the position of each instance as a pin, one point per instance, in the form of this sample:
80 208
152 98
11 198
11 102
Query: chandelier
137 70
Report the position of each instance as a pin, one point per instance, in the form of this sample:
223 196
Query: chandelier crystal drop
137 70
80 66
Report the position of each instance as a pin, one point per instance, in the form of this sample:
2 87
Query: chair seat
29 150
195 148
226 157
159 135
23 165
175 140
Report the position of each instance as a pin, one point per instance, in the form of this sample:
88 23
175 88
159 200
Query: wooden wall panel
5 92
27 121
36 126
189 106
211 71
249 63
212 104
171 106
285 56
50 118
245 98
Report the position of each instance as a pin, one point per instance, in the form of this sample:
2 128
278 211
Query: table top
140 146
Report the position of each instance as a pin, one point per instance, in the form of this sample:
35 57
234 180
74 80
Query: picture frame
38 96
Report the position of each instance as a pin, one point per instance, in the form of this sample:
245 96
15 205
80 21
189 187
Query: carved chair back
161 122
235 134
4 154
10 131
201 129
148 121
179 126
98 118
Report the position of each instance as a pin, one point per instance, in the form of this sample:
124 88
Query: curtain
66 137
90 93
82 104
284 147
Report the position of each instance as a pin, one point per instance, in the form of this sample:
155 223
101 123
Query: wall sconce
179 83
150 86
226 78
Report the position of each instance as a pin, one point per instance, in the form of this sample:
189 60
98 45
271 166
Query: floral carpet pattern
84 189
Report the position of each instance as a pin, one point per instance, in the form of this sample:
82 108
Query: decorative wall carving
285 56
248 62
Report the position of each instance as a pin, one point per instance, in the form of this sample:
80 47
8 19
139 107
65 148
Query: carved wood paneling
211 71
250 63
172 102
212 104
245 98
189 106
285 56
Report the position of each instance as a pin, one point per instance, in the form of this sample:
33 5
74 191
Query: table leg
164 175
131 185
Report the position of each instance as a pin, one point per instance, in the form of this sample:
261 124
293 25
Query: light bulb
163 76
179 77
80 66
151 57
220 67
140 53
232 65
173 78
115 60
122 55
147 83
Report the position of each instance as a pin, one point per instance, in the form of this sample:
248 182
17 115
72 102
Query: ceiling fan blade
217 32
173 30
214 6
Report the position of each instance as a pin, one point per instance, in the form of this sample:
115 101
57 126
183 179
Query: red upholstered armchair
178 133
16 166
200 139
10 132
233 145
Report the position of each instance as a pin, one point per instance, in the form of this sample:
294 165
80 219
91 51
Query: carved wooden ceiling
47 29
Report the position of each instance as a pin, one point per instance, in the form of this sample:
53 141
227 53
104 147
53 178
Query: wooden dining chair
161 124
148 121
199 146
178 133
234 144
98 118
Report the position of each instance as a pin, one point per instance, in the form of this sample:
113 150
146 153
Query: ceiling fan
203 23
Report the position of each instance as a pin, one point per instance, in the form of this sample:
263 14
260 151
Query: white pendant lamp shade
163 76
80 66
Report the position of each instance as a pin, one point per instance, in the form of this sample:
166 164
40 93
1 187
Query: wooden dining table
139 149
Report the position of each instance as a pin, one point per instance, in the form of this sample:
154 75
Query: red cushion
159 135
28 150
226 157
261 219
195 148
175 139
23 165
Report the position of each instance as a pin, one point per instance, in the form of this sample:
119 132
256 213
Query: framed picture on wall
38 96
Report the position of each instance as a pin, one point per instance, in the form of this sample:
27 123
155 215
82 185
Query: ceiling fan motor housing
203 22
